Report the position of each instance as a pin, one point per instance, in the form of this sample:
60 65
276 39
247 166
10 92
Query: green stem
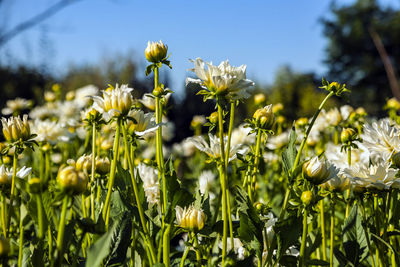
166 246
228 149
14 174
61 229
136 192
4 214
50 243
223 182
323 229
106 213
197 249
185 253
40 216
378 229
303 238
332 233
21 240
256 160
371 254
92 187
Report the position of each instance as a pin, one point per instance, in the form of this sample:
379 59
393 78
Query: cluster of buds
264 117
190 218
318 171
335 87
71 180
15 129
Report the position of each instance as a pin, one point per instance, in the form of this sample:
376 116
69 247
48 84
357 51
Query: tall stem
136 192
228 149
92 187
222 174
348 190
256 160
61 229
21 240
14 174
106 214
332 233
4 214
323 229
303 238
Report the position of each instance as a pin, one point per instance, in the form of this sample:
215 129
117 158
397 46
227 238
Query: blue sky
264 34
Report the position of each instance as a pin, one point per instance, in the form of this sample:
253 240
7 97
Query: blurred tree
298 92
364 50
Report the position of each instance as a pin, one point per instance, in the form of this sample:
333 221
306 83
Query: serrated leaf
287 232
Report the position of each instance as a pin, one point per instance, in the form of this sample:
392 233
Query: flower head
6 174
150 183
156 51
49 131
15 129
223 79
16 106
142 123
318 171
190 218
264 117
115 102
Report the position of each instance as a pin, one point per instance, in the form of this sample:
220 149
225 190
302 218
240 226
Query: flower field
90 178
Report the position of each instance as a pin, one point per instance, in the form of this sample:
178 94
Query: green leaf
287 233
315 262
109 242
289 155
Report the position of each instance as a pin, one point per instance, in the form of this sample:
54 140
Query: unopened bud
213 117
348 135
259 99
156 52
307 197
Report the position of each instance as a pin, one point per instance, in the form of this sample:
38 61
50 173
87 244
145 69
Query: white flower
185 148
205 181
190 218
43 112
333 117
334 154
213 149
49 131
374 176
16 106
222 79
150 183
149 101
381 139
278 141
83 94
318 170
115 101
6 174
241 135
345 111
143 122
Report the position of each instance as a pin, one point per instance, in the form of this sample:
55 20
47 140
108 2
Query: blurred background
287 47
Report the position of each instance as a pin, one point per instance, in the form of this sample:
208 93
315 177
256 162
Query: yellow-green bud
15 129
92 114
361 111
34 185
302 122
156 51
190 218
70 95
277 108
348 135
280 119
102 165
4 247
259 99
213 117
393 103
264 117
84 163
72 180
56 88
7 159
49 96
158 91
307 197
315 171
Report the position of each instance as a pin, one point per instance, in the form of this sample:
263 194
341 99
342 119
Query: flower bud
156 52
84 163
34 185
302 122
56 88
316 171
92 114
277 108
348 135
4 247
4 176
102 165
307 197
190 218
361 111
49 96
264 117
259 99
70 95
72 180
197 121
280 119
393 103
213 117
15 129
158 91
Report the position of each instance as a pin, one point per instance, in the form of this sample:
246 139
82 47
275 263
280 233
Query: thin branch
389 68
50 11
